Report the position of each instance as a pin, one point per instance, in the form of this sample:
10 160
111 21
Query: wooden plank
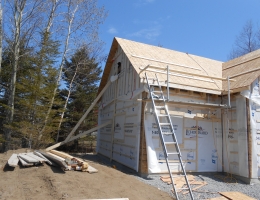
56 157
31 154
42 156
112 79
27 158
236 196
24 163
84 165
59 162
78 136
61 154
204 183
218 198
13 160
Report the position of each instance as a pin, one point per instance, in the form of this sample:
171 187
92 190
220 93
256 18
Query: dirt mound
46 182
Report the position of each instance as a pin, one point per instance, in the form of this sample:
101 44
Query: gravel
215 183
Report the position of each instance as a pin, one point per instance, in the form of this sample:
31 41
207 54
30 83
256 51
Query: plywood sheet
219 198
236 196
141 55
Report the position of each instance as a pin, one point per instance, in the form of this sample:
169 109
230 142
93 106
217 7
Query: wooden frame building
212 135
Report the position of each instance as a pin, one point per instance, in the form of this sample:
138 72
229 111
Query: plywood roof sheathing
142 55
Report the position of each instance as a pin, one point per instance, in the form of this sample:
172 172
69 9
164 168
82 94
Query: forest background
50 69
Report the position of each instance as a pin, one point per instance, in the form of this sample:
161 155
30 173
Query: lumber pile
53 157
72 162
180 182
26 159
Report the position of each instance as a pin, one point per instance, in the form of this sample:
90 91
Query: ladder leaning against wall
155 96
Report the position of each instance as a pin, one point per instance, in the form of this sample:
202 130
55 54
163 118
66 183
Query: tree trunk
66 102
16 51
70 21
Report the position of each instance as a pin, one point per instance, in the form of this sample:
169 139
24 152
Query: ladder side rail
176 144
156 117
162 138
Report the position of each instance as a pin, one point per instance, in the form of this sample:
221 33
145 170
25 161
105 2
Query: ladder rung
170 142
167 133
156 91
151 78
165 124
162 115
160 107
173 153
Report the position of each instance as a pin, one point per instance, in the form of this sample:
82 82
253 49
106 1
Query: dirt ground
45 182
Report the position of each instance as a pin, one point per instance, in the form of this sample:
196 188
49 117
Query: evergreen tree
36 79
81 73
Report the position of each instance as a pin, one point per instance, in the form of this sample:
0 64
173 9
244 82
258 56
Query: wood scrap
13 160
193 189
167 179
218 198
236 196
180 182
91 169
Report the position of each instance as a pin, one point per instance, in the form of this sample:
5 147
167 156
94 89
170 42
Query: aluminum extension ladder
160 98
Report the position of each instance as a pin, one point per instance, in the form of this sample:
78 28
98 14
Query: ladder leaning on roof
165 145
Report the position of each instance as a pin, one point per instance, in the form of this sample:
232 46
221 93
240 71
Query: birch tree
81 73
23 23
82 18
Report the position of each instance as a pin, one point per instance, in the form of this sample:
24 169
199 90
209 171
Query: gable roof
140 55
244 70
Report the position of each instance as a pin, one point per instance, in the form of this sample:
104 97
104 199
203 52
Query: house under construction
214 110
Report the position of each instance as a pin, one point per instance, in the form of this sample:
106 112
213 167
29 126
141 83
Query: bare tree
23 20
247 41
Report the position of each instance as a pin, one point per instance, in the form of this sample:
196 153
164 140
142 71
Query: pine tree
35 84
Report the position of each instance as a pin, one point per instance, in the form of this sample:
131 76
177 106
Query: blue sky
205 28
